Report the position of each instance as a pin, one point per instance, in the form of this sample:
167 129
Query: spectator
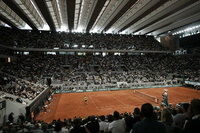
167 120
93 124
129 120
136 115
77 127
180 118
103 125
37 129
118 125
11 117
147 125
22 118
59 127
192 126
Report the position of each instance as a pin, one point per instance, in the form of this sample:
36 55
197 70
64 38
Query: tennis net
146 96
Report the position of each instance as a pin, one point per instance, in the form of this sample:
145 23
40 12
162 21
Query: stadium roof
145 17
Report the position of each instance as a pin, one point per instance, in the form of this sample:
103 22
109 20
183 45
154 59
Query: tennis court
69 105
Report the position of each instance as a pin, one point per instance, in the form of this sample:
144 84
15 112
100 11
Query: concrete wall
2 112
16 108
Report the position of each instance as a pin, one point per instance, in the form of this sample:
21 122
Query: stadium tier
63 40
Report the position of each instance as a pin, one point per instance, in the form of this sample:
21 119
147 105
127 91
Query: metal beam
46 14
20 13
70 15
82 50
121 12
7 22
95 14
181 23
161 2
168 14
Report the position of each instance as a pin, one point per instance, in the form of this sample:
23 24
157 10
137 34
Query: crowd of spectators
18 87
31 68
63 40
147 119
74 70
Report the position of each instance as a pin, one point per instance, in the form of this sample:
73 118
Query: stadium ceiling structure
143 17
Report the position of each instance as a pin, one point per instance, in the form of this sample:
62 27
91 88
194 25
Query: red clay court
69 105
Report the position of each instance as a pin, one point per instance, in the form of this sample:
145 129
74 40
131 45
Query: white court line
119 101
113 106
93 102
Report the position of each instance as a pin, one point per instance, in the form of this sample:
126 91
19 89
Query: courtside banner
193 83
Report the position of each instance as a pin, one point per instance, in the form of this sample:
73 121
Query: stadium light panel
26 26
6 25
123 32
80 29
45 27
63 28
109 31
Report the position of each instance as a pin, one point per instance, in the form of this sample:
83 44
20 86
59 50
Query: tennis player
85 99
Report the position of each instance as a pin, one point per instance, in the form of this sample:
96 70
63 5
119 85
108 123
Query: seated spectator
167 120
21 118
136 115
44 127
193 125
118 125
103 125
148 125
19 100
59 127
93 124
37 129
77 127
11 117
129 120
180 118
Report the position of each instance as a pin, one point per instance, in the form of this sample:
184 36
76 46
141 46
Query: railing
193 83
83 50
113 89
108 87
37 103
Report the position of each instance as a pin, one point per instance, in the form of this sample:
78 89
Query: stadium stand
25 80
106 123
73 70
62 40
